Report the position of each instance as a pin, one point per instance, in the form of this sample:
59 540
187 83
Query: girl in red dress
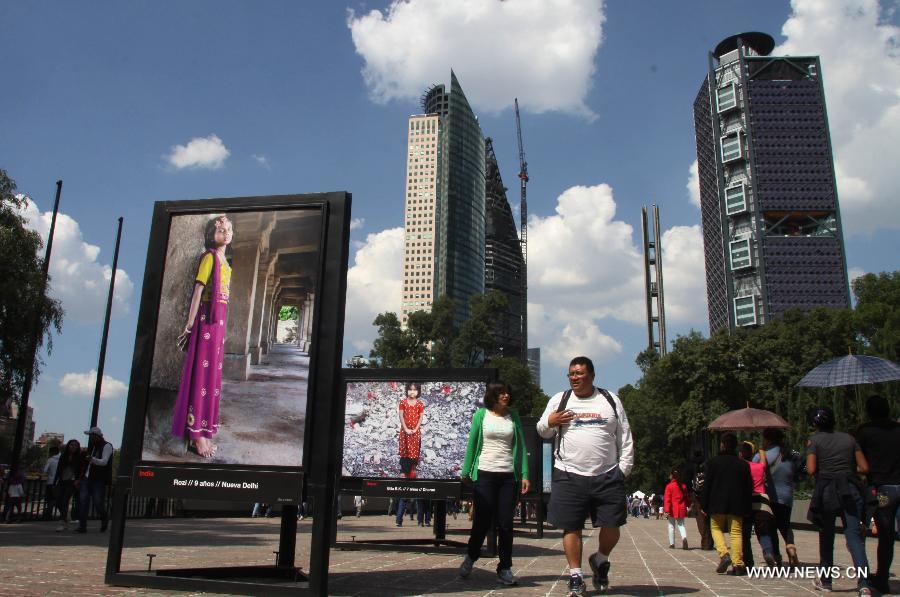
411 411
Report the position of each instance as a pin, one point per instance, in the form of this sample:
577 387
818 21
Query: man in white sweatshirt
593 454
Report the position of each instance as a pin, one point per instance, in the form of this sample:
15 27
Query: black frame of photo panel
270 483
394 486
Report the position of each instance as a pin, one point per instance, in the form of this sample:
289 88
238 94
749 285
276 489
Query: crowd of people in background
76 476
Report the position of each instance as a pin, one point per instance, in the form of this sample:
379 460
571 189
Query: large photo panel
231 353
411 426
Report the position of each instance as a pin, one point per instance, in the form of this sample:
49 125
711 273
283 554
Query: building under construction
503 263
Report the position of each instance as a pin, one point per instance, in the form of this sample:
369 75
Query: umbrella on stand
748 419
851 370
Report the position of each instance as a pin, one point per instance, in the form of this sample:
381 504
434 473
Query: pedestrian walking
594 454
836 460
496 463
879 440
697 479
761 518
782 469
69 471
97 475
727 488
676 502
15 494
49 482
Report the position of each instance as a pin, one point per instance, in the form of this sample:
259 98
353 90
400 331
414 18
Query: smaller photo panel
408 429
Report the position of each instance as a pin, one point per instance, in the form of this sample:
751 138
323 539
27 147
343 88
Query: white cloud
585 270
537 50
856 272
585 273
259 159
200 152
357 223
373 286
684 275
858 47
82 384
77 279
693 184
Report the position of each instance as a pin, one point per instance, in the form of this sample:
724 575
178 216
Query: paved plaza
35 560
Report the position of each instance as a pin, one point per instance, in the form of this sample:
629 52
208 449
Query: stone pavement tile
34 560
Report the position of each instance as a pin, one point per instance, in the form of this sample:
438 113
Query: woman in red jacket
676 502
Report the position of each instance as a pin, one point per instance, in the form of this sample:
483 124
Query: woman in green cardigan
497 463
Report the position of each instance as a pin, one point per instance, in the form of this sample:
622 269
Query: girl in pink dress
196 412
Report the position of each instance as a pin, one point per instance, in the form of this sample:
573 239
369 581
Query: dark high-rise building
444 226
771 223
502 259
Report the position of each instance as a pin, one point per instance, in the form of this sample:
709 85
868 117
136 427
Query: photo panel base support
242 580
438 541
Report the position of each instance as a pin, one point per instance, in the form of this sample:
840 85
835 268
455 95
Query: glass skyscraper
445 202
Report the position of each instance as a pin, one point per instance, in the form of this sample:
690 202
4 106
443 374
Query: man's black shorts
575 497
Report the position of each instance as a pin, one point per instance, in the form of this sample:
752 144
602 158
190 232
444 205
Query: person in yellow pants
726 499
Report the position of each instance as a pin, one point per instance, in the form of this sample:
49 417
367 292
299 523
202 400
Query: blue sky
130 103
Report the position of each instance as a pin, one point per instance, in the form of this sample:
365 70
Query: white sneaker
465 569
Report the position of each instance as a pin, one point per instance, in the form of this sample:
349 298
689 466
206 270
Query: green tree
475 340
288 313
528 398
24 304
877 313
430 340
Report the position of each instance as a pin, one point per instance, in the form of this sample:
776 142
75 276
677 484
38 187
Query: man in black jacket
725 498
97 475
879 440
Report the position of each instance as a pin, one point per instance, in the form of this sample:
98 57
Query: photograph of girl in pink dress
196 413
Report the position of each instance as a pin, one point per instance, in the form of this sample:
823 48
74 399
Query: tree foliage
701 378
288 313
24 304
431 340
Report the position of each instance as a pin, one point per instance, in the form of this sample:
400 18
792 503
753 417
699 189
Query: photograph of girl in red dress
408 430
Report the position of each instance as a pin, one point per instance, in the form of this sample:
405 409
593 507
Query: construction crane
523 236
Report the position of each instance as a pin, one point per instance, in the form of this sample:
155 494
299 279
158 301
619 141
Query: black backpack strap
561 407
609 399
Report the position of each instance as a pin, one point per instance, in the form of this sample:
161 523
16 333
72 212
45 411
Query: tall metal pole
660 296
523 235
109 301
38 330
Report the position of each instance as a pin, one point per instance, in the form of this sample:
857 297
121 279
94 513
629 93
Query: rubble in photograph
372 428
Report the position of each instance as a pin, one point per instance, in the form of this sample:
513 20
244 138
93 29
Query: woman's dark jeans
854 535
495 500
782 514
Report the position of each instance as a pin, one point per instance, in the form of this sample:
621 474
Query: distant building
50 436
771 223
8 426
534 365
503 263
443 250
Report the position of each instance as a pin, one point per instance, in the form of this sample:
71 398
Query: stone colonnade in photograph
275 256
